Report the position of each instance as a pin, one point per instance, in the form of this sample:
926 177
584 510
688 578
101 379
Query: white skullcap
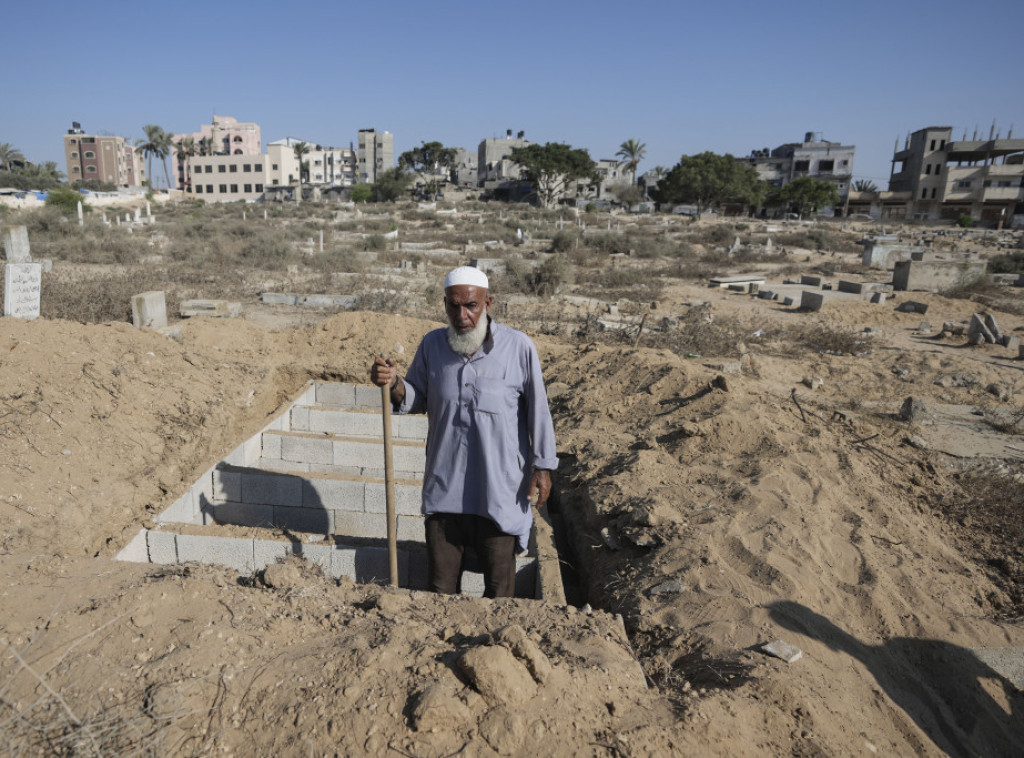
469 275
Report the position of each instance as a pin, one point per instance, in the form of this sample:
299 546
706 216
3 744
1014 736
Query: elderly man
490 442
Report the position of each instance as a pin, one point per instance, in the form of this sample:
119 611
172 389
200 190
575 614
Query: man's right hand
384 371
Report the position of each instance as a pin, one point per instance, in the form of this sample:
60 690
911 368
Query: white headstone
243 215
149 310
105 218
81 217
16 248
264 214
22 287
138 214
321 240
149 210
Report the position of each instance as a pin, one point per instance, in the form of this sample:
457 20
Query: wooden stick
389 484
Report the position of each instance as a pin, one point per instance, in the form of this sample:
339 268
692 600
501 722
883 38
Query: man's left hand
540 486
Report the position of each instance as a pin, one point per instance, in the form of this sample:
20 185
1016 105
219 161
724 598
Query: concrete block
410 427
299 419
878 297
149 310
367 564
312 520
136 551
812 301
267 552
307 449
236 553
362 454
936 275
16 246
333 494
252 450
330 468
412 529
811 281
279 298
367 396
336 394
978 326
276 464
788 301
243 514
408 457
236 457
368 525
318 553
270 446
346 423
408 498
1011 342
163 547
227 485
210 308
271 489
182 510
993 326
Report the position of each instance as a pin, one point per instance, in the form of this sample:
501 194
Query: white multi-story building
814 157
376 154
227 178
224 136
328 166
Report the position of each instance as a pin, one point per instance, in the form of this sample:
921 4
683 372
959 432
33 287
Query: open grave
312 484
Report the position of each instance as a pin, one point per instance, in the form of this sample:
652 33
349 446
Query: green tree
151 146
865 185
631 152
66 199
10 156
808 195
391 184
708 179
361 193
165 143
429 160
554 167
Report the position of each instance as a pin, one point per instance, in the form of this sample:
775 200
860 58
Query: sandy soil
803 517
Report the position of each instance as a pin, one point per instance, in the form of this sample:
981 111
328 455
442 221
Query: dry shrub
96 300
822 338
620 283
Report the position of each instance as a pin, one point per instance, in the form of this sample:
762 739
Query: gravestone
16 248
150 310
22 287
81 216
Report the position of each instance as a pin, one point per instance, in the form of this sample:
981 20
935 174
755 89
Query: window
74 155
826 166
259 187
964 184
209 189
247 187
233 168
933 193
928 169
73 141
274 167
938 168
90 154
273 182
844 163
90 169
75 170
223 189
234 188
801 165
199 189
247 168
221 168
942 145
933 145
924 193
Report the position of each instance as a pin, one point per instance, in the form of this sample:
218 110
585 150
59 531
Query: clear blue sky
681 77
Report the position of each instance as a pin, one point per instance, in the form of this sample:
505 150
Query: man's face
464 305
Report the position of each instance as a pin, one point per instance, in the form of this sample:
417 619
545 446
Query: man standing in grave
490 440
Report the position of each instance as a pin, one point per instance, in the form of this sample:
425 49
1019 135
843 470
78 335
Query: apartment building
228 178
496 173
103 158
613 174
946 178
814 157
328 166
376 154
223 136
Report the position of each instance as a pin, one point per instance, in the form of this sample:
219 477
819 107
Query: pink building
225 136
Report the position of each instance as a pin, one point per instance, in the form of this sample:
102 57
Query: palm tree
631 153
300 148
151 146
165 150
9 155
186 151
865 185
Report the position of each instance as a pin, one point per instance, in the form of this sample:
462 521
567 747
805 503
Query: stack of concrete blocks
885 252
315 473
149 310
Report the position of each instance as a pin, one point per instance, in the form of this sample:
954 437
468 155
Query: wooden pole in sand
389 484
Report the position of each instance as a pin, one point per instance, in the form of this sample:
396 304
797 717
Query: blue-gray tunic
489 426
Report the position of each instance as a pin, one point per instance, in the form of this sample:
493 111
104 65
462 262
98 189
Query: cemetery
756 428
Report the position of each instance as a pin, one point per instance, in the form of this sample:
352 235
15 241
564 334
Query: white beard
467 343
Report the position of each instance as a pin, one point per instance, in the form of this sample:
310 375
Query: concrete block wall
317 467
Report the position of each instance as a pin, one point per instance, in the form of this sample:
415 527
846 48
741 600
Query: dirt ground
715 511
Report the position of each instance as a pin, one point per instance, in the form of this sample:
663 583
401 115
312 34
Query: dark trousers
452 541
